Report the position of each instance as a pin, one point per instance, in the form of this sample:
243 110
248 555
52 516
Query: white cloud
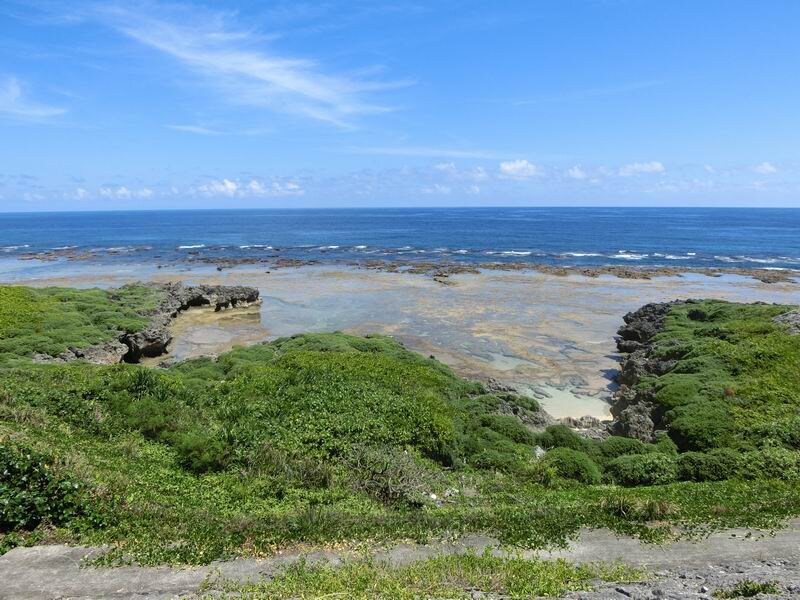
437 188
14 103
120 193
474 190
249 189
226 187
452 171
226 58
448 167
519 169
123 192
641 168
576 173
764 168
198 129
80 193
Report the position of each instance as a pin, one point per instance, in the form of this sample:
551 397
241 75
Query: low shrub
785 431
643 469
716 465
572 464
391 475
32 491
701 425
664 444
288 469
771 462
561 436
509 427
616 446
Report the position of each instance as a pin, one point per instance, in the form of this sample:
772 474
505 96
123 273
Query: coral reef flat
544 334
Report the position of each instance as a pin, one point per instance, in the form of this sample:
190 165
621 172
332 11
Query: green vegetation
442 577
747 588
735 382
51 320
330 438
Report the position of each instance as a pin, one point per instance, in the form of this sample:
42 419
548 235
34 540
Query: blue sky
117 105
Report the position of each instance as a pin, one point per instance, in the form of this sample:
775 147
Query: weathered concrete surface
683 569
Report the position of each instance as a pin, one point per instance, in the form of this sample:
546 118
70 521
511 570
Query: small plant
391 475
747 588
630 508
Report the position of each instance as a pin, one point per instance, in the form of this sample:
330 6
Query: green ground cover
736 381
332 438
51 320
442 577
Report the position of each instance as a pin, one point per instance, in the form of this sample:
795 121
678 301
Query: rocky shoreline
439 270
634 410
635 413
155 337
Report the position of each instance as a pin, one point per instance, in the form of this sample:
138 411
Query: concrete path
55 571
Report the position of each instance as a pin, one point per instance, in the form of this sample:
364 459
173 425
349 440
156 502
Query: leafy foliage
32 489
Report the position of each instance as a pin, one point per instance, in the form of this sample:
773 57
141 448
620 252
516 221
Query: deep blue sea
767 238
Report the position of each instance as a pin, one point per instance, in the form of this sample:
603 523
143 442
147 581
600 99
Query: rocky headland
635 412
155 337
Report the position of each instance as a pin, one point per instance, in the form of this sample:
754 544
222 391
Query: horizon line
403 207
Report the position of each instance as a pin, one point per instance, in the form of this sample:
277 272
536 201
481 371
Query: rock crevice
635 412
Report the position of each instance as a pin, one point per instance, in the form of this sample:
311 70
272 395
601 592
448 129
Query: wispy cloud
587 93
198 129
14 103
576 173
765 168
234 62
641 168
426 152
437 188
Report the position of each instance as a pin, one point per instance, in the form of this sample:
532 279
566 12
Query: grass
51 320
735 374
334 439
440 577
747 588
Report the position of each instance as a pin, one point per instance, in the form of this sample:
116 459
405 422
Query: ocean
692 237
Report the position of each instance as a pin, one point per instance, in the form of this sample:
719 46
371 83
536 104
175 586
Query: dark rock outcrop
635 413
155 337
